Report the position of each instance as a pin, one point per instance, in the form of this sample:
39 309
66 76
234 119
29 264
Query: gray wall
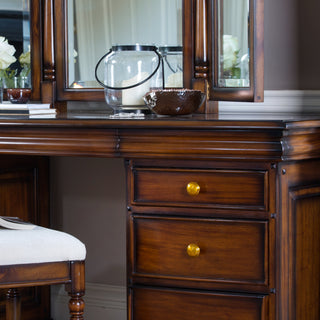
88 200
88 195
292 45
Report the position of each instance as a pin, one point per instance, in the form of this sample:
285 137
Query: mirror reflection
15 57
233 40
95 26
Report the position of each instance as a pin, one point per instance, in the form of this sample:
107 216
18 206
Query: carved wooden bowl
174 102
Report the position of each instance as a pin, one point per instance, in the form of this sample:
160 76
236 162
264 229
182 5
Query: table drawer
164 304
231 251
200 188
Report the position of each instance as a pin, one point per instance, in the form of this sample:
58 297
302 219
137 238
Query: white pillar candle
134 96
175 80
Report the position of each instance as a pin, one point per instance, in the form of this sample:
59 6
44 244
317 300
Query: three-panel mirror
91 28
231 35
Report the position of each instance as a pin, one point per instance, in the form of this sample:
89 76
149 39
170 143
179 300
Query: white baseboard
277 101
101 302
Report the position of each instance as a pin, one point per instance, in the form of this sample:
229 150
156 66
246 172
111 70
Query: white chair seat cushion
38 245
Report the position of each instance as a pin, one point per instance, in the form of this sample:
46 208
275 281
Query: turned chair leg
75 290
76 307
13 305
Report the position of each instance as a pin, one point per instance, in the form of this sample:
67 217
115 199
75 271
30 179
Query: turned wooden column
13 305
48 85
202 43
76 291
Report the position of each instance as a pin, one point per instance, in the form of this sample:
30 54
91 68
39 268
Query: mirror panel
17 19
237 50
233 40
15 28
93 27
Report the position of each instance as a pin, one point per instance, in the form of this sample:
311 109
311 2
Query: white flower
7 52
25 58
230 51
25 61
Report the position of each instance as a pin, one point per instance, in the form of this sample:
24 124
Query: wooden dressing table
223 211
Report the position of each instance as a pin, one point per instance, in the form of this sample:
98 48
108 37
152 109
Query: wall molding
277 101
101 302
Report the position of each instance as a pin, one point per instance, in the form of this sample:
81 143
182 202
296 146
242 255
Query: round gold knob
193 250
193 188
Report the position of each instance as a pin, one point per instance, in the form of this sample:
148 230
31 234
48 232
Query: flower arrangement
231 56
7 52
7 58
25 62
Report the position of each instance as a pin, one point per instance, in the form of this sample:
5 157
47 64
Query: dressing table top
279 120
271 137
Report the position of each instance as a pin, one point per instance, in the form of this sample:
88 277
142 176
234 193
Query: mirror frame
64 93
36 49
255 92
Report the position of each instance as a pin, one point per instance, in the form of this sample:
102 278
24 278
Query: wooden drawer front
230 250
224 188
187 305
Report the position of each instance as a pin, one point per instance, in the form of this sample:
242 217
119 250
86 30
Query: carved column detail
201 43
13 304
48 85
48 42
202 51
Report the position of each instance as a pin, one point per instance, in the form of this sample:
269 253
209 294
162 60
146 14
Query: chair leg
76 307
75 290
13 305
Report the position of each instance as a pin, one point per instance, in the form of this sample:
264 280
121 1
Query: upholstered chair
39 257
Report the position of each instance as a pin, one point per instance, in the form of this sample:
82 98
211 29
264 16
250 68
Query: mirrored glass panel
15 59
97 25
233 39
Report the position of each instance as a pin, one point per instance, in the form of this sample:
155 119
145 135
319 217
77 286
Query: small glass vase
23 82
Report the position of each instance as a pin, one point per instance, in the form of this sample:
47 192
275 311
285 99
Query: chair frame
70 273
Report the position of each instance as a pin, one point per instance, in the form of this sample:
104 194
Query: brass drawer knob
193 250
193 188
